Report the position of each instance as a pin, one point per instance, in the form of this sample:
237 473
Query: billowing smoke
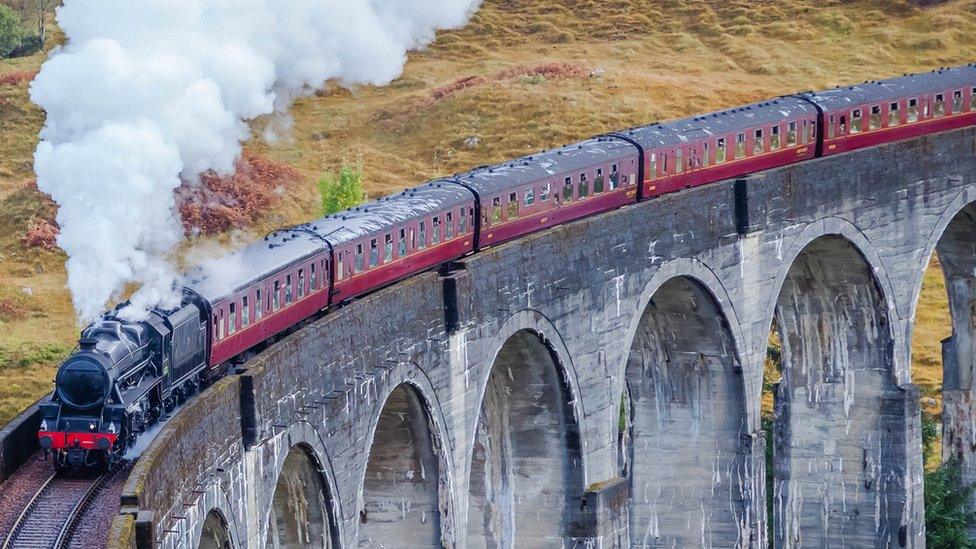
147 93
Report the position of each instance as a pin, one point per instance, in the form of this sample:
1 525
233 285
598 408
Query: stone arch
406 497
302 509
839 446
954 242
787 257
686 412
215 534
526 476
303 437
212 504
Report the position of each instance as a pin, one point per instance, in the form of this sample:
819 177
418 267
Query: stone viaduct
599 384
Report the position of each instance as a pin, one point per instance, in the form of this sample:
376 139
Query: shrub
16 78
946 515
11 33
31 44
218 203
341 191
41 233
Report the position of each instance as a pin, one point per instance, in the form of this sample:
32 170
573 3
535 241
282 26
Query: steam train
124 376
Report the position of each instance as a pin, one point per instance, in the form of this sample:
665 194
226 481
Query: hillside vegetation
522 76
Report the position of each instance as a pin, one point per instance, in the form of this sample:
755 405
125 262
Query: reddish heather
217 204
16 78
551 70
11 309
41 233
456 86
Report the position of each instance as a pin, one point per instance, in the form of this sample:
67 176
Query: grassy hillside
523 75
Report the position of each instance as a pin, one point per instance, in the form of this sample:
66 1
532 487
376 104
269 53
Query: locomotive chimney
87 343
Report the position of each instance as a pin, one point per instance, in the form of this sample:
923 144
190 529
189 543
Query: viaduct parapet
599 384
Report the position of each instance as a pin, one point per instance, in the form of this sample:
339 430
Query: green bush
11 31
341 191
930 435
30 45
946 516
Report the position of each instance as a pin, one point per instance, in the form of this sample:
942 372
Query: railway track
49 519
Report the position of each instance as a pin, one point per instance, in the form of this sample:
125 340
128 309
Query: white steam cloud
148 92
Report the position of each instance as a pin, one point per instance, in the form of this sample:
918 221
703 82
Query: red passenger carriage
127 374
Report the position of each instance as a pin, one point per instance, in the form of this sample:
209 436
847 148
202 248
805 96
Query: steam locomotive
124 376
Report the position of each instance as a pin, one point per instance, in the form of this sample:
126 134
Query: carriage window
339 267
301 283
496 210
874 122
402 243
449 226
529 195
805 135
972 99
276 299
374 253
513 206
679 164
288 290
216 329
894 116
956 101
843 124
221 325
720 151
774 141
435 231
315 281
857 123
652 166
757 145
462 222
913 110
830 128
232 319
615 176
939 105
422 235
359 259
598 181
791 134
584 186
704 155
813 130
740 145
388 248
544 192
245 313
568 190
258 306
